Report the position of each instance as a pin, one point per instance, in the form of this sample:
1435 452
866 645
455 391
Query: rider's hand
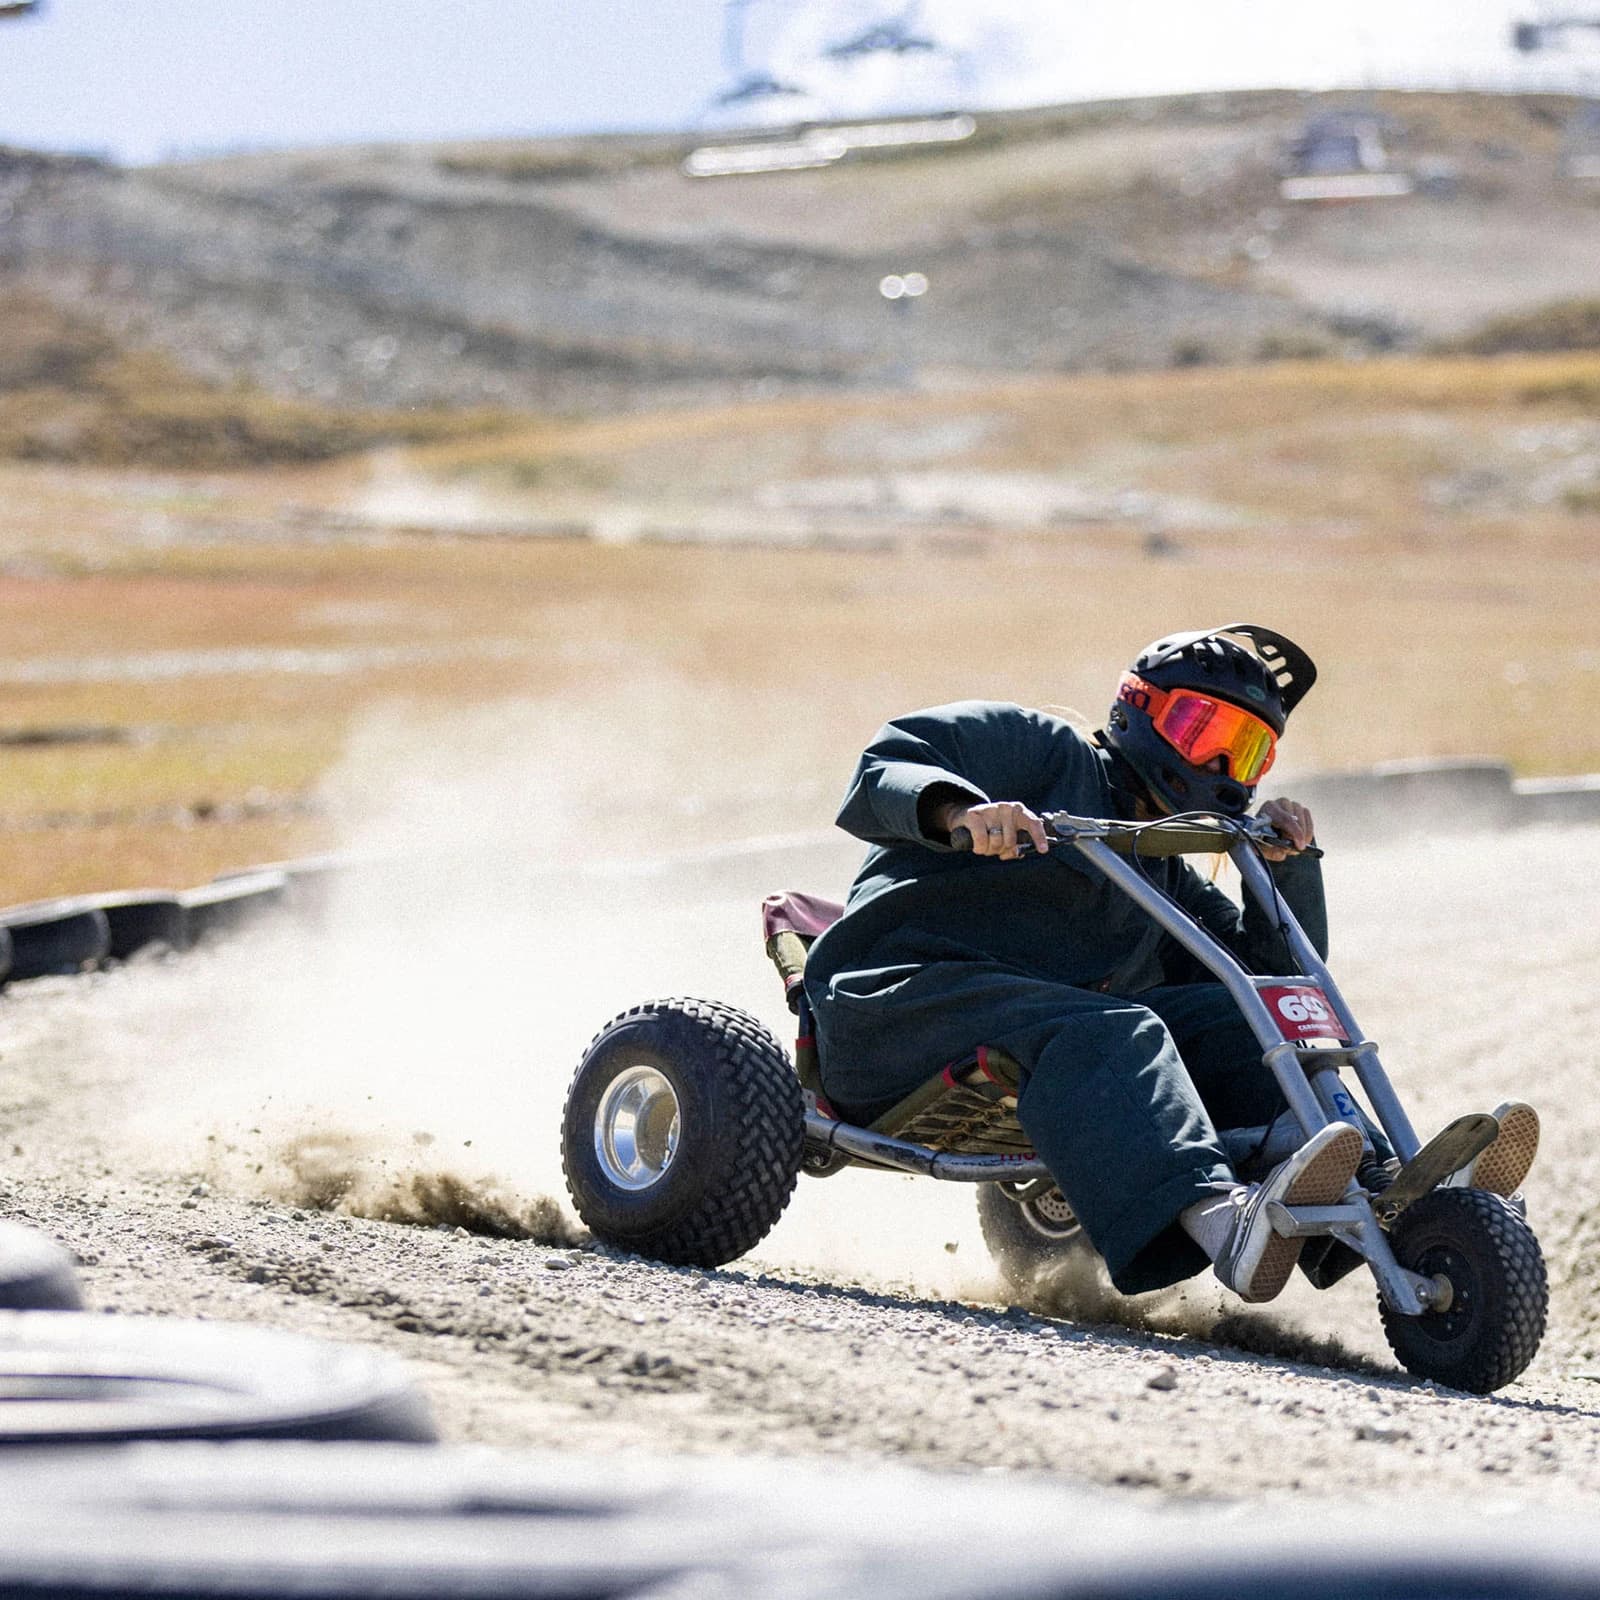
1293 821
996 825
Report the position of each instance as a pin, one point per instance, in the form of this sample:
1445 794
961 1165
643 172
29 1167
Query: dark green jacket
916 900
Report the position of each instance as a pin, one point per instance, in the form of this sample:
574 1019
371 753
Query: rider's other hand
996 825
1294 822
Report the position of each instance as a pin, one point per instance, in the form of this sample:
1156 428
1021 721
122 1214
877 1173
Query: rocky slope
575 274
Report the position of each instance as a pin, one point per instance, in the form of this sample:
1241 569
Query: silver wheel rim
1051 1215
636 1128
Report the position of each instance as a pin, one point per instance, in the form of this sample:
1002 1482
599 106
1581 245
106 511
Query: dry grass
69 393
153 855
1566 325
727 690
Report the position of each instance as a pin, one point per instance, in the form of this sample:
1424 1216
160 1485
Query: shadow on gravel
1219 1328
1257 1335
1078 1291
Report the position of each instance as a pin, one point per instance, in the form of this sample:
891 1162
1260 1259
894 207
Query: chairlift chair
892 36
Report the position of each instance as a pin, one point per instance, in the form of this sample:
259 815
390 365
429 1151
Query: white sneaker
1256 1262
1502 1167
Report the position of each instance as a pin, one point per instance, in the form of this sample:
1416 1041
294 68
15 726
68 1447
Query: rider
1131 1058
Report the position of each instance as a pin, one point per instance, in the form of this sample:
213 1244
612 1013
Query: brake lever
1267 833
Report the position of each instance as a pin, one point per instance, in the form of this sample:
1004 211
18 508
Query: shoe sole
1502 1168
1323 1182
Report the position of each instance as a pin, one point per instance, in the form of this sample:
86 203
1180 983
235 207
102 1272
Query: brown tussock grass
754 675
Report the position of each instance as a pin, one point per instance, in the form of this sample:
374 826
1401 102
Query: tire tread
1519 1295
758 1157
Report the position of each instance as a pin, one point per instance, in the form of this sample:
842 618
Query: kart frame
1307 1071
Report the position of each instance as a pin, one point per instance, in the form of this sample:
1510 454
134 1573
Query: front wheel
682 1133
1489 1329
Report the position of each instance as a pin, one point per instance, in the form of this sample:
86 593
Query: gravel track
152 1132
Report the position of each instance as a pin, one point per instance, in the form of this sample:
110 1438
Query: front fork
1315 1096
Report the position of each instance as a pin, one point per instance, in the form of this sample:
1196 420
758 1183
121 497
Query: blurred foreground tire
36 1274
253 1522
70 1378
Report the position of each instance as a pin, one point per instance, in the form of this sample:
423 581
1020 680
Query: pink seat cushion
804 914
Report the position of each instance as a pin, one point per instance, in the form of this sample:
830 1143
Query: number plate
1302 1011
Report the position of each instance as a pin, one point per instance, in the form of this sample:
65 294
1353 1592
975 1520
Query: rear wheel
682 1133
1028 1236
1489 1327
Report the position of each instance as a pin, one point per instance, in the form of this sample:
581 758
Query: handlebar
1169 836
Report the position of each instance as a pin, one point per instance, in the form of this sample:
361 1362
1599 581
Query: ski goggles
1201 728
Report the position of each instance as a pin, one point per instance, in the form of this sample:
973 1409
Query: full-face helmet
1198 715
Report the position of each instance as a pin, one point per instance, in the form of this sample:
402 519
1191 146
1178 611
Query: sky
144 79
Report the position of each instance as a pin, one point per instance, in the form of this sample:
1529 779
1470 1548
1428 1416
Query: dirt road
178 1123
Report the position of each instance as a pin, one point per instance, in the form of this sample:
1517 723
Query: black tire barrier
71 1378
52 938
312 881
36 1274
1559 801
363 1522
139 919
228 904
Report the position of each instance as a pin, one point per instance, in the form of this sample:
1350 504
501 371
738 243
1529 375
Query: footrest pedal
1447 1151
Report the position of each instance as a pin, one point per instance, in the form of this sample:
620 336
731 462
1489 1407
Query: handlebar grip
961 840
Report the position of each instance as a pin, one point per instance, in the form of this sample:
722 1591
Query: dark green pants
1121 1097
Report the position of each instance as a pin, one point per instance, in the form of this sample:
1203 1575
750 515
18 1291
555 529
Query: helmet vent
1291 669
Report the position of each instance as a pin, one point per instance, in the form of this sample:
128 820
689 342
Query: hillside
574 274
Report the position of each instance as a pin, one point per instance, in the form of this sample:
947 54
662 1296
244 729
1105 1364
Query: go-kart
687 1123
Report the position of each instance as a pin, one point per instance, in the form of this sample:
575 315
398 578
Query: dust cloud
408 1058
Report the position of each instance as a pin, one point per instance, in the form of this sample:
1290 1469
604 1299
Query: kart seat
790 922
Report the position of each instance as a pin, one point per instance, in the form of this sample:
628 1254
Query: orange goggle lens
1200 729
